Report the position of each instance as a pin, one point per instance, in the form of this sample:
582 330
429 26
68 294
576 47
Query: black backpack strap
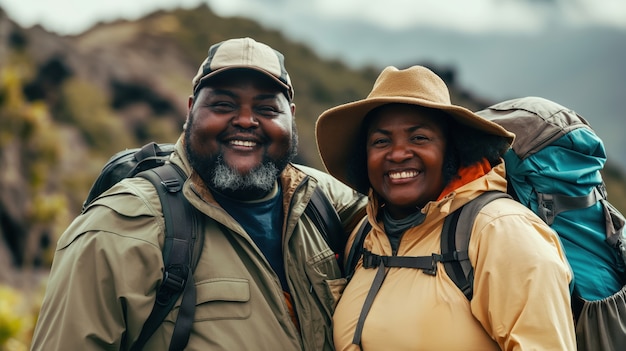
428 264
381 273
126 164
455 261
455 237
149 156
180 256
326 219
356 250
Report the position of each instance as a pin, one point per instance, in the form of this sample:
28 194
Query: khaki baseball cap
244 53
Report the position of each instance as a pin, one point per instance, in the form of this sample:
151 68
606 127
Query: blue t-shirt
263 221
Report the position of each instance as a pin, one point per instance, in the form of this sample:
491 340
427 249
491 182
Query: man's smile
244 143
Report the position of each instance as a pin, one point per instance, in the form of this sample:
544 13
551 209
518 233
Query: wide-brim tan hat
337 128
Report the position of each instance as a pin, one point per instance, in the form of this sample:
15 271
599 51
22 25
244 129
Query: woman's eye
419 138
380 142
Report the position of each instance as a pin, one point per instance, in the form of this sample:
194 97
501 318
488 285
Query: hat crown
337 129
244 53
415 82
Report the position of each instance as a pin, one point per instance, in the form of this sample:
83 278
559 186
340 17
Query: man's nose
245 118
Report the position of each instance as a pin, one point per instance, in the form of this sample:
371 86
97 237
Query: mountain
67 103
581 68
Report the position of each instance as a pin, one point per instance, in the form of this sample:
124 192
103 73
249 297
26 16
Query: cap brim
202 81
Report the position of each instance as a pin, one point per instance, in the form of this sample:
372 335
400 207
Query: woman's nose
399 152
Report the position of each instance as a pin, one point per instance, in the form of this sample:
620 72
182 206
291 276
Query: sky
75 16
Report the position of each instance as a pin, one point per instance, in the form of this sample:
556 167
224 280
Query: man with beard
266 279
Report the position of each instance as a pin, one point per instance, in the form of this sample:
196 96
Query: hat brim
337 129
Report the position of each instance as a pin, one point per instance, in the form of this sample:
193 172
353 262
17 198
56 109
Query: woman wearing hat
419 158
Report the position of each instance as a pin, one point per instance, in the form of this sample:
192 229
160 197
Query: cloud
477 16
75 16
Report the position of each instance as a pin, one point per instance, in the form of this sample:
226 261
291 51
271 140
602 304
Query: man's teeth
403 174
246 143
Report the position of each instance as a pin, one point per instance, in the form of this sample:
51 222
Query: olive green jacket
108 265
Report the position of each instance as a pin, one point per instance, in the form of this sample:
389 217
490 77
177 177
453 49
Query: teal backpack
553 168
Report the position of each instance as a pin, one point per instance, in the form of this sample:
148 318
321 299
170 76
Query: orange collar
466 175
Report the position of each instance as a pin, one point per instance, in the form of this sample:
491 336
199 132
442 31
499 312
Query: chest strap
428 264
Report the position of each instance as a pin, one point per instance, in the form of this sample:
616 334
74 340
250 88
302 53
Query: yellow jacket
521 295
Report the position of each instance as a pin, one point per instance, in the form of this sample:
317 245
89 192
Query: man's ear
293 109
189 103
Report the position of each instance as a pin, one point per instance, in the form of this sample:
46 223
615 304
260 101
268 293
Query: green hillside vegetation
65 111
122 84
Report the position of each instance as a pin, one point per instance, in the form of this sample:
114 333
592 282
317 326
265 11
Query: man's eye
267 111
222 106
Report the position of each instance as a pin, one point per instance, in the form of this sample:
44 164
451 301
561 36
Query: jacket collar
493 180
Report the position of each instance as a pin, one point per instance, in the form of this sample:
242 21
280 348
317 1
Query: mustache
235 132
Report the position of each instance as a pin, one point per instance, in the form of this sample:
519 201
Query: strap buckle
545 211
174 280
172 185
433 264
371 260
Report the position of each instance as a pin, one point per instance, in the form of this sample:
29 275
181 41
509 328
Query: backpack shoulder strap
356 250
455 237
550 205
326 219
181 254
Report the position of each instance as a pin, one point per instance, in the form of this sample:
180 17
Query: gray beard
261 178
216 174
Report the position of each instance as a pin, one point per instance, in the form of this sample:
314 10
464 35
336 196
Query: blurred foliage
85 106
18 313
28 128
